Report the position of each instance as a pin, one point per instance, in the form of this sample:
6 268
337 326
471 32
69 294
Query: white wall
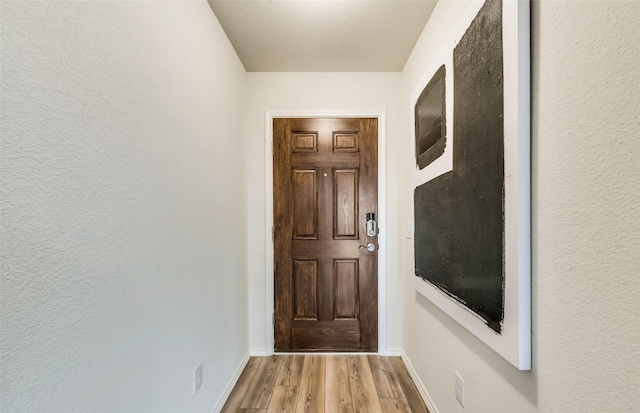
123 233
586 224
327 92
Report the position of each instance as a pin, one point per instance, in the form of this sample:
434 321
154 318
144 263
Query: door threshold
326 353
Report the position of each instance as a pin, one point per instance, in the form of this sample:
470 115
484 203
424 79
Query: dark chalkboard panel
459 238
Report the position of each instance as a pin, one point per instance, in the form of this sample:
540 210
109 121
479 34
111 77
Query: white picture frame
514 341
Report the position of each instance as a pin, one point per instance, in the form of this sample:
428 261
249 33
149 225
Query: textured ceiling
323 36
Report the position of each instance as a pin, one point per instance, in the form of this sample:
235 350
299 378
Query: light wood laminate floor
325 383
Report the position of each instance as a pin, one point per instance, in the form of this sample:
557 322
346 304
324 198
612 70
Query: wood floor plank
312 390
414 399
252 411
240 389
338 385
261 387
363 389
385 378
291 371
283 400
395 405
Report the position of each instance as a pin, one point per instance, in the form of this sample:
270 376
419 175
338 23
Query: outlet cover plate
459 389
197 378
408 230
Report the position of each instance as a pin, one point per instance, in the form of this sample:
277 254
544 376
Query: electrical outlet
408 230
459 389
197 378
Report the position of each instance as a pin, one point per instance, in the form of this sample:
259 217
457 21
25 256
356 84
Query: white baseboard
393 352
423 390
230 385
258 353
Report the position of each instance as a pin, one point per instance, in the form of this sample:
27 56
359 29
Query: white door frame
381 115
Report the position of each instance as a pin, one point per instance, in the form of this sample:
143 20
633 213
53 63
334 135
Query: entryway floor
325 384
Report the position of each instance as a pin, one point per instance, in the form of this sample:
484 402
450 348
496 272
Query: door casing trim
379 114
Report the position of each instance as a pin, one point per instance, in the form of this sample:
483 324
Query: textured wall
319 91
586 225
123 233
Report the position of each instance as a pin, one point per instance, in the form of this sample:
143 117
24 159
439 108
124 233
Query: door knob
370 247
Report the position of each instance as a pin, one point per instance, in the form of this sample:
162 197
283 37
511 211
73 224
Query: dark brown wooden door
325 179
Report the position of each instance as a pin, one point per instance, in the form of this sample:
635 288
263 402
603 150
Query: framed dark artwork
472 213
430 120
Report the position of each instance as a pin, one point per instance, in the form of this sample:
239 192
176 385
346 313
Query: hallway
320 383
136 212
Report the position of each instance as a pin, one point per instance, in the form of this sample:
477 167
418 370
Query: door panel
345 142
305 275
345 204
325 183
304 142
305 203
330 335
345 289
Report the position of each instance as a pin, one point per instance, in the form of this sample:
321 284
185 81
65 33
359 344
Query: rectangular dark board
430 120
459 234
